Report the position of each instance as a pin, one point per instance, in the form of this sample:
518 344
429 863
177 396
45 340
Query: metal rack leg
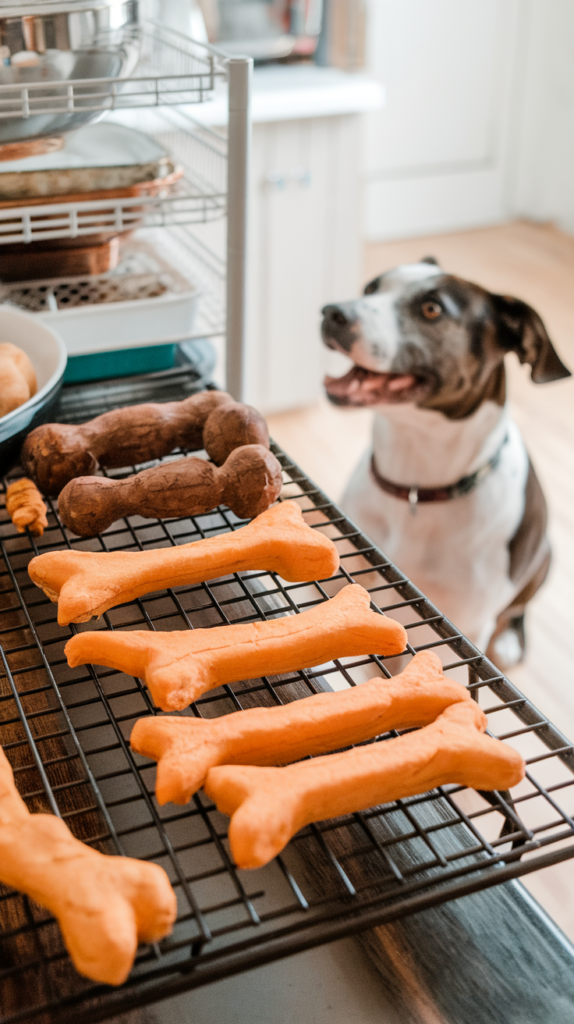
239 150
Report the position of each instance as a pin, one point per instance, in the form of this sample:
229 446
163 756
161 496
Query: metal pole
239 70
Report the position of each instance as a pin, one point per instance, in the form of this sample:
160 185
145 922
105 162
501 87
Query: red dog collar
414 494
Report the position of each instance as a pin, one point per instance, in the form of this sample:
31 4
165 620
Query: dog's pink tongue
401 383
365 387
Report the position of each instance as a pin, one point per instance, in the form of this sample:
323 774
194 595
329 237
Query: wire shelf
198 197
171 69
204 266
144 272
66 734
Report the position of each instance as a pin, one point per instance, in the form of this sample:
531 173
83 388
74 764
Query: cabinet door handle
275 177
301 176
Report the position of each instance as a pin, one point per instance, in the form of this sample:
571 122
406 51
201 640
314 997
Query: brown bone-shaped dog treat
55 453
87 583
186 748
268 806
179 666
104 905
249 482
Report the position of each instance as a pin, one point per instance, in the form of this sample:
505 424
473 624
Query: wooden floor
534 263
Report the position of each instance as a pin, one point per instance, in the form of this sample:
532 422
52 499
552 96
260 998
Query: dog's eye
431 310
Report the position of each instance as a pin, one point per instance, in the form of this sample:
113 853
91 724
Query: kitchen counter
490 958
283 92
333 984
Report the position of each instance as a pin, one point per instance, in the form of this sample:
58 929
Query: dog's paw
507 649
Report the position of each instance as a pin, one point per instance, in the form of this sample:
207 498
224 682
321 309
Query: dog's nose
335 315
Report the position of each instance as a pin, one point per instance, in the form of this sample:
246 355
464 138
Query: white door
438 156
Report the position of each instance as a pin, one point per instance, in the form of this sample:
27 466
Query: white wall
543 172
479 122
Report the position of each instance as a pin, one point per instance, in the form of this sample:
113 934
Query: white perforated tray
144 301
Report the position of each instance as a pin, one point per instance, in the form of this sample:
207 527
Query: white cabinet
305 227
304 250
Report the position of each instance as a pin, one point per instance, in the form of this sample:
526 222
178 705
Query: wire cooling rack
66 733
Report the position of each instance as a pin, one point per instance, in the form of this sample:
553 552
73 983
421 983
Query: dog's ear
372 286
521 330
430 259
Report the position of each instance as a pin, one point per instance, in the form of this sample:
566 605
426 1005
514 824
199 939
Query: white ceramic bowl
48 355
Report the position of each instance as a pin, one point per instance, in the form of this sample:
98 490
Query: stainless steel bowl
60 41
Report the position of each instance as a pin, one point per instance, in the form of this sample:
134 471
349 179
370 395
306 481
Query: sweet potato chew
179 666
55 453
104 905
25 507
268 806
249 482
88 583
17 378
186 748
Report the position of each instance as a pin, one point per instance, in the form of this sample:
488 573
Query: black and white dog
428 350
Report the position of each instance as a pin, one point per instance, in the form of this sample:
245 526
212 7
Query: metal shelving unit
172 70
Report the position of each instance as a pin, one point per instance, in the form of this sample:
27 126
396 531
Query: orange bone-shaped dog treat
104 905
25 507
269 805
179 666
87 583
186 748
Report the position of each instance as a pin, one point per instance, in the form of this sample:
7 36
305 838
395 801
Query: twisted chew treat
249 482
269 805
25 507
179 666
56 453
104 905
186 748
17 378
87 583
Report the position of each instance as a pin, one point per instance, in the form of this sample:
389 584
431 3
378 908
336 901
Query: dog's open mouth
365 387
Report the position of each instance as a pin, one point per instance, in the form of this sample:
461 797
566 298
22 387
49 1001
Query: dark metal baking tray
66 733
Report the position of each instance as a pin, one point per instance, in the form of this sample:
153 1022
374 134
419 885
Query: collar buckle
415 494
